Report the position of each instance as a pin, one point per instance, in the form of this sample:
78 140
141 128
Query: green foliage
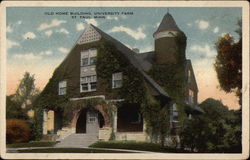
181 41
26 90
228 63
112 135
19 103
14 110
109 61
37 124
17 130
218 130
156 118
172 78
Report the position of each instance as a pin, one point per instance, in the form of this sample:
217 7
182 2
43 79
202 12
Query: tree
26 91
18 103
13 109
218 130
228 63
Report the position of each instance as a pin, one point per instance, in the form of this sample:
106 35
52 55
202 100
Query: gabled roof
167 23
188 65
146 60
130 55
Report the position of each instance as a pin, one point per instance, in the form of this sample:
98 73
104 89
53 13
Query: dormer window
62 87
117 80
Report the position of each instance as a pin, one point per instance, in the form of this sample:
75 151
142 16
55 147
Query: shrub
17 131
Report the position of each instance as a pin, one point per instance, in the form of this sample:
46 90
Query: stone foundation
131 136
50 137
64 132
105 133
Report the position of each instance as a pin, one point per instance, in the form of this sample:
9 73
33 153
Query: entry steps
77 140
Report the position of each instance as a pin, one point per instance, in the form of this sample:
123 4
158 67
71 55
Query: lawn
133 145
69 150
32 144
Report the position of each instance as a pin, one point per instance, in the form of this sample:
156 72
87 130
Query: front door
92 122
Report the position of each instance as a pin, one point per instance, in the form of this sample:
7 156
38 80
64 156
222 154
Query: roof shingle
167 23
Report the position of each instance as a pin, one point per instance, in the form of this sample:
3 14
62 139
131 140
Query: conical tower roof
167 24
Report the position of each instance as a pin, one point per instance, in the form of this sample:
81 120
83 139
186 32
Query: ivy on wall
171 76
109 60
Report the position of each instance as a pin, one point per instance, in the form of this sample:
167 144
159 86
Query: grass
133 145
32 144
69 150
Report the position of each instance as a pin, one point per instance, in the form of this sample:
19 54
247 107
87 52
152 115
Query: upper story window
62 87
189 76
88 83
88 57
190 96
117 80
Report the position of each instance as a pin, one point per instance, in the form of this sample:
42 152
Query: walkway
15 150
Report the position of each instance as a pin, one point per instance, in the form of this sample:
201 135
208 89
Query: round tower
166 43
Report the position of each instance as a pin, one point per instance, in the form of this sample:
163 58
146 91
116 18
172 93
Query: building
99 90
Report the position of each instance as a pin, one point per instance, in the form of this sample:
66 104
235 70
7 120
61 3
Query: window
92 60
174 113
88 57
92 116
117 80
88 83
85 61
62 87
189 116
136 119
190 96
189 76
174 119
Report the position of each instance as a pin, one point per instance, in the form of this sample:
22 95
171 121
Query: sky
39 38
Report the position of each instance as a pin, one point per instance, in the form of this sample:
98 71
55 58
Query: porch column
144 126
115 120
45 122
